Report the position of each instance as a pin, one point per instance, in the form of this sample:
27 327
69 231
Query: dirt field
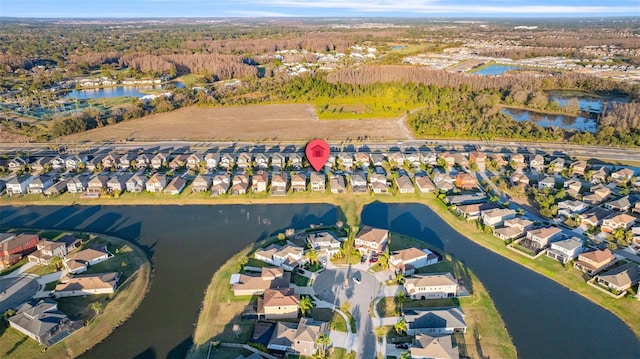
245 123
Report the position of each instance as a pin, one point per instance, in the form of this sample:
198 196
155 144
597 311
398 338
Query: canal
188 243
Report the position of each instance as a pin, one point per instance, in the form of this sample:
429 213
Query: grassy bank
117 308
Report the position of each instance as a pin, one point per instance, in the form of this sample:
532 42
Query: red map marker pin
317 152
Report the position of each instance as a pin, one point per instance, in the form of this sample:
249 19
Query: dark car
357 277
363 259
402 346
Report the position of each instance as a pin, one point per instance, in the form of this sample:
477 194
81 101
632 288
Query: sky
317 8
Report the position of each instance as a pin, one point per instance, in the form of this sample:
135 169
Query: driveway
15 291
337 286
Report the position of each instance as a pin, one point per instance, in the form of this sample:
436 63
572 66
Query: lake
118 91
494 69
548 120
188 244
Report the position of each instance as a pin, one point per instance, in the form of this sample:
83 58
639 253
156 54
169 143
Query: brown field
287 122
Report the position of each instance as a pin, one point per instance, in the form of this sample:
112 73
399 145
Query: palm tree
384 260
380 332
323 343
312 256
401 327
96 307
400 278
306 304
405 355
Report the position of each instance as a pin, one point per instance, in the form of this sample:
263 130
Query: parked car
363 259
357 278
373 260
402 346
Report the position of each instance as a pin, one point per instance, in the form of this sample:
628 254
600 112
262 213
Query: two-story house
136 184
359 182
259 182
18 185
405 261
279 184
496 216
318 182
220 185
156 183
541 238
594 261
371 239
278 304
431 286
622 220
240 184
299 182
513 228
13 248
565 250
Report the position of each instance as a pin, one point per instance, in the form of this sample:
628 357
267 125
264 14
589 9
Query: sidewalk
20 270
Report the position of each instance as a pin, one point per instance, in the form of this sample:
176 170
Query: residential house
156 183
78 184
244 160
211 161
16 163
496 217
537 163
623 204
143 161
359 182
18 185
193 161
599 194
622 220
541 238
622 175
569 208
378 183
80 261
39 164
463 199
443 181
178 162
429 158
240 184
57 188
176 186
412 158
15 247
118 182
430 286
261 161
346 159
599 176
473 211
46 251
594 261
43 322
87 284
259 182
377 158
395 159
109 161
437 321
94 163
557 165
279 304
579 167
404 184
595 216
547 182
337 184
371 239
40 184
287 257
636 208
227 161
136 184
497 159
517 160
127 160
519 179
565 250
479 159
58 163
160 160
573 186
424 183
97 183
361 160
318 182
298 339
513 228
278 161
448 158
299 182
620 278
324 241
220 185
201 183
279 185
407 260
428 347
252 284
295 161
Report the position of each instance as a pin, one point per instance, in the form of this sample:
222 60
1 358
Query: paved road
337 286
16 290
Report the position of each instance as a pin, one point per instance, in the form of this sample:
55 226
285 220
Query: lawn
335 320
340 353
299 280
41 270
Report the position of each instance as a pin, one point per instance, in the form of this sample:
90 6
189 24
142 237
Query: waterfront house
407 260
136 183
39 184
279 184
13 248
160 160
256 284
193 160
622 220
565 250
473 211
428 347
176 186
80 261
220 185
359 182
78 184
594 261
287 257
87 284
430 286
424 183
299 182
118 182
337 184
201 183
541 238
298 339
378 183
496 217
278 304
240 184
537 163
324 241
243 160
211 161
437 321
143 160
156 183
622 175
479 158
278 161
620 278
259 182
318 182
513 228
57 188
404 184
18 185
42 321
371 239
97 183
463 199
46 251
